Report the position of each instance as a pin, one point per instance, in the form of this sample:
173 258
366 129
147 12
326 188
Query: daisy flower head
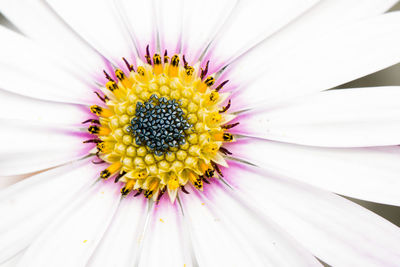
197 133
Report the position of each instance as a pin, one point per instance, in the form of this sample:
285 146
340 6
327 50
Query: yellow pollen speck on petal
161 127
161 220
84 241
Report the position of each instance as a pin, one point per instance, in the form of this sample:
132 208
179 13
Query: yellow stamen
158 68
207 170
152 188
209 81
122 78
128 187
99 130
102 112
113 168
223 136
173 67
112 86
196 180
189 74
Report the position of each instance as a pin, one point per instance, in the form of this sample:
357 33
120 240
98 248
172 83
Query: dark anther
138 192
147 56
230 126
166 58
120 74
225 151
92 141
224 109
184 190
175 61
156 59
129 66
219 87
105 174
98 162
215 166
96 109
125 191
91 121
119 176
107 76
185 64
112 86
94 129
209 81
205 71
227 137
205 180
160 195
209 173
104 99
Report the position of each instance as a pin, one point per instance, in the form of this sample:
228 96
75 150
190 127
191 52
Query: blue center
159 124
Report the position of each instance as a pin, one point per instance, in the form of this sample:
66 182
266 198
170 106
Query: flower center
161 127
159 124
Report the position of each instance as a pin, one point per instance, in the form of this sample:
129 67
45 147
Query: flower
296 146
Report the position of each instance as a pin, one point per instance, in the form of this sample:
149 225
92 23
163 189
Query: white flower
297 145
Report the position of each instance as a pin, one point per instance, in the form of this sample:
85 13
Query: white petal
252 22
21 108
166 237
366 173
13 261
98 23
28 206
201 22
321 18
73 236
27 147
332 58
169 24
27 69
119 246
139 18
334 229
6 181
37 20
337 118
227 233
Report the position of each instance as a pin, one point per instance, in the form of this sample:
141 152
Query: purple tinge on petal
84 149
165 203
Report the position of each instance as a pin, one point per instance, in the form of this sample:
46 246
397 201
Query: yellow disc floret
161 127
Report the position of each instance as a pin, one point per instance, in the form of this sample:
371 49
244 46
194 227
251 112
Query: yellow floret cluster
136 165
